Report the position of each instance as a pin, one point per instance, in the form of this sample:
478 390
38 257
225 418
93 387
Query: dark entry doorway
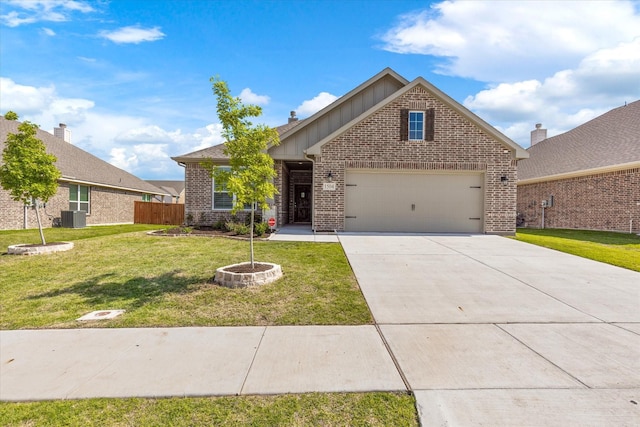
302 203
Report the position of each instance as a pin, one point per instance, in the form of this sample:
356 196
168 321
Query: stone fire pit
241 275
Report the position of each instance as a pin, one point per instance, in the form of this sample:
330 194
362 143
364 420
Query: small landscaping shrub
260 228
237 228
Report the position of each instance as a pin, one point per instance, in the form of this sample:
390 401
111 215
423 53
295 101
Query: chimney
293 117
538 134
62 132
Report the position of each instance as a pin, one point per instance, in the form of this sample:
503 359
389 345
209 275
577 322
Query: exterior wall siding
608 201
107 206
458 145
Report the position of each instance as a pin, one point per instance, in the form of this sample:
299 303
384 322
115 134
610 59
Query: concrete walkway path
483 330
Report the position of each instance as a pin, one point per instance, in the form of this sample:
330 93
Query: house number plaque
329 186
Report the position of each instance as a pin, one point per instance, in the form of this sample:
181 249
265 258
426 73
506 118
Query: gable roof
607 143
172 187
216 153
520 152
386 73
77 165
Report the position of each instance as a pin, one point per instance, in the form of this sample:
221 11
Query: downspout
313 191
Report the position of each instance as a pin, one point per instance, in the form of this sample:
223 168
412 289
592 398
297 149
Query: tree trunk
253 207
39 223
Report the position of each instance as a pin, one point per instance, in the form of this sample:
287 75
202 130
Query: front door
302 203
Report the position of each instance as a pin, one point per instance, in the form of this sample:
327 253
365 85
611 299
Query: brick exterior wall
107 206
458 145
607 201
199 199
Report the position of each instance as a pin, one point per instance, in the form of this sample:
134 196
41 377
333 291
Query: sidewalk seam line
539 354
253 359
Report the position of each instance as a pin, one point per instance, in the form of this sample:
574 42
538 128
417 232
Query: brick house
105 192
588 177
390 155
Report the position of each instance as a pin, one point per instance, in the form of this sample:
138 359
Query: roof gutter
99 184
580 173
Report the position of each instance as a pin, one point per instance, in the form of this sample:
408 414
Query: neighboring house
174 188
588 178
390 155
88 184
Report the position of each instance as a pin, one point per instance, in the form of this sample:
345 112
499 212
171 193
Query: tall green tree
251 173
28 172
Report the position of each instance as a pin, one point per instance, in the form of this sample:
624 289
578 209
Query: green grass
167 281
14 237
336 409
620 249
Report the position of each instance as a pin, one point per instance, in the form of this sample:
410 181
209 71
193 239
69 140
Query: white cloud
603 80
48 31
133 34
247 96
311 106
30 11
510 40
136 144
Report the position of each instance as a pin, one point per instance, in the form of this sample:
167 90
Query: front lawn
167 281
336 409
619 249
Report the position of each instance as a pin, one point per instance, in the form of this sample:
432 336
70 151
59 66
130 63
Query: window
222 198
416 125
78 198
146 197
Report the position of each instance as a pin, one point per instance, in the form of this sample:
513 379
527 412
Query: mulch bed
246 268
40 245
205 231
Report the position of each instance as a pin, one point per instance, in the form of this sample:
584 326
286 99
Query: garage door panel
404 202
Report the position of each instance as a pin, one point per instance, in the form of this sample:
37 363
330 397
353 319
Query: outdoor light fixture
504 179
329 176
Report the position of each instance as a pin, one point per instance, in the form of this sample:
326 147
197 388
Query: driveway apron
491 331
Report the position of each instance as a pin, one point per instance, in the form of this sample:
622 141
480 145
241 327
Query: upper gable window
416 125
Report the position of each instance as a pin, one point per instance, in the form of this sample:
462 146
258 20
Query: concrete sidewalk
156 362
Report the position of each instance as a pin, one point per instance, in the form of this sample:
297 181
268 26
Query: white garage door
414 202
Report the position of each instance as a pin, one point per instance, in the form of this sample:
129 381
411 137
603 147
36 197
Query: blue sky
130 78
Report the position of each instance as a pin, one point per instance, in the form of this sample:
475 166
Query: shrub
237 228
260 228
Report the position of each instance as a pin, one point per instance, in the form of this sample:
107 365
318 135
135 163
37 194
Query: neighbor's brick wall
458 146
107 206
607 201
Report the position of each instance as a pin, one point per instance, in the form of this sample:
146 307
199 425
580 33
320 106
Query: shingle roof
78 165
609 140
216 152
172 187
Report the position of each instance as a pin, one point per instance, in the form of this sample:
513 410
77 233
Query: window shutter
429 124
404 125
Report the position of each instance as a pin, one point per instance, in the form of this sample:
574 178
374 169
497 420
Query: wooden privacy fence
158 213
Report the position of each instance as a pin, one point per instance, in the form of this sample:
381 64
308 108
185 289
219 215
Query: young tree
28 172
251 173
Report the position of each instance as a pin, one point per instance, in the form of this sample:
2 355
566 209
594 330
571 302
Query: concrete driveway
491 331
